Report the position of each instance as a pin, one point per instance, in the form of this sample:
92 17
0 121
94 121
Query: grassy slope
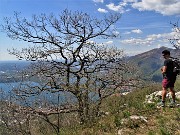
160 121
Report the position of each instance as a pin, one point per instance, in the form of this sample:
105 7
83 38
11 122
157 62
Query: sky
144 24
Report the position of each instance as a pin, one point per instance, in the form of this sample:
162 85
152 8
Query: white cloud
123 4
150 39
116 33
165 7
154 36
90 42
130 1
109 42
97 1
138 31
136 41
102 10
127 32
118 8
127 10
111 6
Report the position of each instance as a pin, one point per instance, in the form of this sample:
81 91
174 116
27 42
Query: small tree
66 59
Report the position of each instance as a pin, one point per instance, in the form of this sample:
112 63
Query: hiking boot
161 104
172 104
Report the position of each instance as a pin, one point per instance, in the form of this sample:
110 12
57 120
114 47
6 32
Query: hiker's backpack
176 65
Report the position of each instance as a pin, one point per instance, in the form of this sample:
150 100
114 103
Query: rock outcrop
155 96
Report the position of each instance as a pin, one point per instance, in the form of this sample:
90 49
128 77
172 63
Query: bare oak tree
67 60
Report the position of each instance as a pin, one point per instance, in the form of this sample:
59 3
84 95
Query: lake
43 99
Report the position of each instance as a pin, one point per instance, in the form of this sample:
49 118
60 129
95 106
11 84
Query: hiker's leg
164 92
165 84
172 93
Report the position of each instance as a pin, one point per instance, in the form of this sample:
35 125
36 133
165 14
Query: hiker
169 78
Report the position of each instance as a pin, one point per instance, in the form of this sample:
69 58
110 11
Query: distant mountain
151 61
9 70
13 65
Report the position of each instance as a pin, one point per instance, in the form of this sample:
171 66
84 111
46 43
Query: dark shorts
168 83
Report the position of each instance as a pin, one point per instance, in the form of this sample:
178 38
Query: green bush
126 114
164 131
117 120
151 133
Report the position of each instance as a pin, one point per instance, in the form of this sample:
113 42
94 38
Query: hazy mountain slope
9 70
13 65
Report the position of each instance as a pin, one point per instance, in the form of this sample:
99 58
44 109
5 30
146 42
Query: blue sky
144 25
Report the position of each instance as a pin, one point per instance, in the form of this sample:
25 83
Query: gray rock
157 95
